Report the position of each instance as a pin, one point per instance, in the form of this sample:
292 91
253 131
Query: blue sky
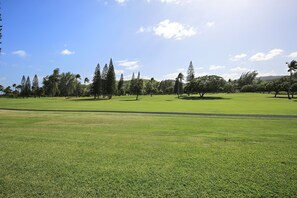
156 37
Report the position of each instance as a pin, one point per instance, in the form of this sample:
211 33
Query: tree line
104 84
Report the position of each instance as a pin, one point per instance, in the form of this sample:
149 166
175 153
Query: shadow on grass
87 99
203 98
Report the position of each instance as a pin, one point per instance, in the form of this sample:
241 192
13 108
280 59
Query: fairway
101 154
212 103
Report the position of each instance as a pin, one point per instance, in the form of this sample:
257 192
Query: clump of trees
104 84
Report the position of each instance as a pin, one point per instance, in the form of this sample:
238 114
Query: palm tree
86 80
151 91
77 76
14 86
292 68
180 78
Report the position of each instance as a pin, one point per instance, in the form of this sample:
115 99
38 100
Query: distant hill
269 78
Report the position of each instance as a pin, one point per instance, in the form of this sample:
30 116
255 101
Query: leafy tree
206 84
121 86
110 81
86 80
35 86
67 84
166 87
294 88
247 78
97 83
136 86
104 79
151 87
51 83
1 88
8 91
191 72
248 88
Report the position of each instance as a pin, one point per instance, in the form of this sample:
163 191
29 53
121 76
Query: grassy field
95 154
213 103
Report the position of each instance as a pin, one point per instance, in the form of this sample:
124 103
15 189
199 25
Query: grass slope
213 103
91 154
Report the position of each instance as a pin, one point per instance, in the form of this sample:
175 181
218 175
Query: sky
159 38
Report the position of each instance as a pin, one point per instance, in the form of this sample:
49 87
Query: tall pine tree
97 83
121 86
110 81
28 87
23 84
103 79
191 72
35 86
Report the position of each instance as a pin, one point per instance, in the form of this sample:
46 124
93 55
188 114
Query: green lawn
95 154
213 103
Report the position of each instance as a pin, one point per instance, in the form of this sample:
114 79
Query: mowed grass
212 103
114 155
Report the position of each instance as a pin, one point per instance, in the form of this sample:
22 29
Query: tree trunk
288 95
275 94
137 97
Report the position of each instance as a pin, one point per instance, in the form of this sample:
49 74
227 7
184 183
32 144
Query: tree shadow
203 98
87 99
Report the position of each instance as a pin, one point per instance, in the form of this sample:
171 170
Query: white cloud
210 24
121 1
216 67
238 57
173 30
268 56
67 52
238 69
20 53
293 55
118 72
171 76
129 65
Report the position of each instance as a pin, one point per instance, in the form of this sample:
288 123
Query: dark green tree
121 86
136 86
23 83
97 83
86 80
206 84
35 86
247 79
67 84
110 80
104 79
292 68
77 76
28 87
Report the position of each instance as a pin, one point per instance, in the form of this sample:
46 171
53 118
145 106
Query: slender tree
77 76
292 67
103 78
35 86
180 78
121 86
136 86
23 83
191 72
97 83
28 87
110 80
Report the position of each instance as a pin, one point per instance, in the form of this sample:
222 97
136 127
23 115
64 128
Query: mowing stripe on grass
158 113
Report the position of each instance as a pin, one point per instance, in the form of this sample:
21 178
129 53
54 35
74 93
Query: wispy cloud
210 24
67 52
266 56
20 53
121 1
238 69
129 65
238 57
293 55
170 30
216 67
